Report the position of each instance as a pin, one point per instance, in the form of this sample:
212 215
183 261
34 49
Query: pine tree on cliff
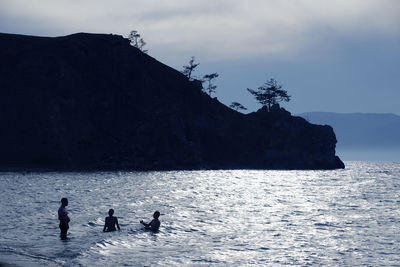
270 93
189 69
137 41
237 106
209 78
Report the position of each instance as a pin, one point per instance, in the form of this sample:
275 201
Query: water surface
241 217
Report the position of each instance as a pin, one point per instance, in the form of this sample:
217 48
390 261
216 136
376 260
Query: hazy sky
331 55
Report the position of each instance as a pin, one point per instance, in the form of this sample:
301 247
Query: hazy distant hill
361 131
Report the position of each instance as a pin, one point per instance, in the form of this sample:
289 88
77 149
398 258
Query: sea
347 217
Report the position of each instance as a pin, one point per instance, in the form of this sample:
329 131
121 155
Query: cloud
211 29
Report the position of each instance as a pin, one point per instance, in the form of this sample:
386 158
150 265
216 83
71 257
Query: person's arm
116 221
145 224
105 225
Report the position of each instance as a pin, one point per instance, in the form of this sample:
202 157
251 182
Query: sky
330 55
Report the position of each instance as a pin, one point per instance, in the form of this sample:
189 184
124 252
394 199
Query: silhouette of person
110 223
63 217
154 225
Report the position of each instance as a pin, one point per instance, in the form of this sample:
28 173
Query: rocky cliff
93 102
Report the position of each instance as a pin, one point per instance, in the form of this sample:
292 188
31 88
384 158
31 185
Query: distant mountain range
362 131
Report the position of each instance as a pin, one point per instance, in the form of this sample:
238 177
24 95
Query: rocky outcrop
93 102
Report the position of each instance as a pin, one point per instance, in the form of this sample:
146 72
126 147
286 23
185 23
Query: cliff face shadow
94 102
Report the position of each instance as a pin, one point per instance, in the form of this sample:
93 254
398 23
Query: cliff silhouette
94 102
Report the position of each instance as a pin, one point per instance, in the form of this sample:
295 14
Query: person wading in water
154 225
64 219
110 223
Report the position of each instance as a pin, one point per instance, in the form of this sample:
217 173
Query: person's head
156 214
64 201
111 212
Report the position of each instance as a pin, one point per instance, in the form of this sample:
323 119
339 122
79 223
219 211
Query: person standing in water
64 219
154 225
110 223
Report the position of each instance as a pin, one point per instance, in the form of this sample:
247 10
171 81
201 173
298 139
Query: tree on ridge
209 78
237 106
137 41
189 69
270 93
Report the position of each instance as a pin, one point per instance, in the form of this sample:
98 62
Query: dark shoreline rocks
93 102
